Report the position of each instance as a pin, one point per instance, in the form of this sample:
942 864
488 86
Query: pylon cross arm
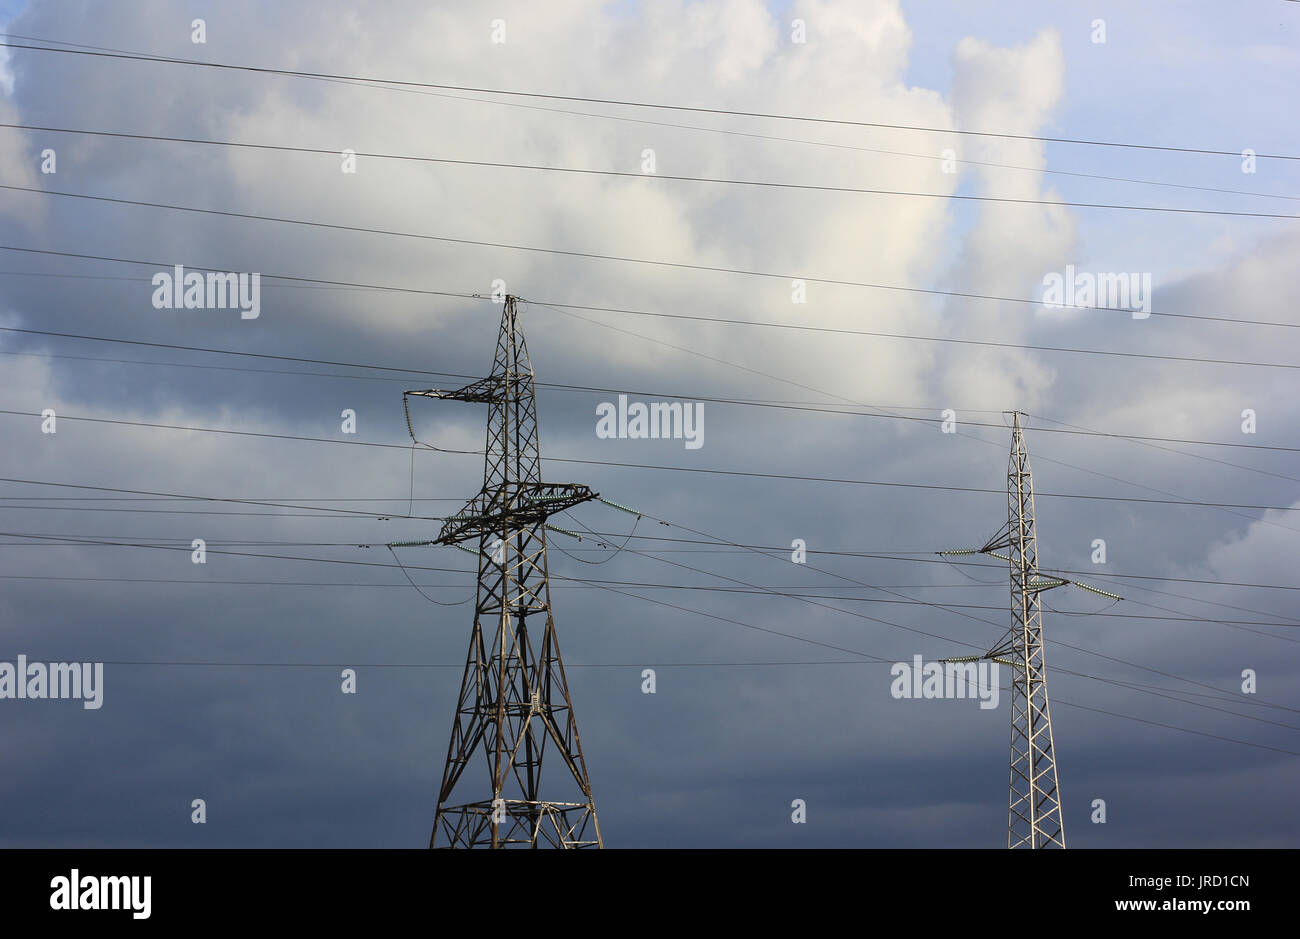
524 504
484 391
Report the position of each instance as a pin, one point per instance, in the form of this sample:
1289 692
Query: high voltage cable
659 467
759 324
1132 686
733 133
56 275
323 510
765 325
779 405
215 512
1103 679
197 365
1155 446
657 664
1143 720
941 607
664 603
623 174
1179 596
239 433
794 406
255 355
937 606
869 482
855 332
807 599
1172 695
960 433
713 130
685 609
588 255
300 73
162 496
266 499
1125 481
92 197
758 404
52 541
739 549
69 540
589 582
404 586
900 556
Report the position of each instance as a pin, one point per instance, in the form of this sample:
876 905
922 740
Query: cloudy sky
222 680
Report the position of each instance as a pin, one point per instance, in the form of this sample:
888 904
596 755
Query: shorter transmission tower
1034 807
1034 814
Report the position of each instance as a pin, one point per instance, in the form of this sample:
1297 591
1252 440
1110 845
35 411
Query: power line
238 433
299 73
901 556
621 174
930 157
215 512
196 365
323 510
961 433
588 255
155 663
939 607
51 540
955 564
1111 681
1066 429
899 485
1229 464
1104 578
576 585
659 467
675 606
851 401
746 547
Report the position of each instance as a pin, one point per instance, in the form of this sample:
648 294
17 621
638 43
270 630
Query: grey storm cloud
248 715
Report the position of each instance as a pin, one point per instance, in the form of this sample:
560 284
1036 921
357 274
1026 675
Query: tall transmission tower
1034 809
514 699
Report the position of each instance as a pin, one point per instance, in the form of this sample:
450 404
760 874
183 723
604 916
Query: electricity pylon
514 698
1034 809
1034 813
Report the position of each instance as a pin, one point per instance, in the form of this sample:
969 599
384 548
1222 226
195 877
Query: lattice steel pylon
514 698
1034 809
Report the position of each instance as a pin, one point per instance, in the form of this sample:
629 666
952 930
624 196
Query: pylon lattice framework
1034 807
514 700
